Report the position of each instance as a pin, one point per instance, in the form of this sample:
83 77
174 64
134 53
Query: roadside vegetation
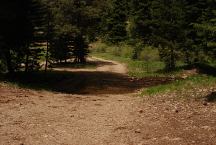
147 63
190 82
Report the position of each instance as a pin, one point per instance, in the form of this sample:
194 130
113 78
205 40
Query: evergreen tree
206 28
160 23
115 21
193 46
18 23
72 20
140 20
167 29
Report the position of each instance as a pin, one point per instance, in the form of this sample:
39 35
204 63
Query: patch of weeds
182 86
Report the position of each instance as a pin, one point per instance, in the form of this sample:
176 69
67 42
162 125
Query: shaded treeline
36 31
179 29
32 31
20 34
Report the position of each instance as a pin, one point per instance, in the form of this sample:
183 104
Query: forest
63 29
108 72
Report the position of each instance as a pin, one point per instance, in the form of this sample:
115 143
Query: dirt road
104 110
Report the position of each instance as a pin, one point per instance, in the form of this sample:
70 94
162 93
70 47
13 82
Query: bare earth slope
104 114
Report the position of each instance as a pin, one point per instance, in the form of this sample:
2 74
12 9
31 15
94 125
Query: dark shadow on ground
83 82
211 97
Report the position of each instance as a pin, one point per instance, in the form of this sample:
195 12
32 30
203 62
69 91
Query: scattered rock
141 111
120 128
138 131
46 136
205 104
167 109
176 111
98 105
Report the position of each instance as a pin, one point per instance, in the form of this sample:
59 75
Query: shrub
149 53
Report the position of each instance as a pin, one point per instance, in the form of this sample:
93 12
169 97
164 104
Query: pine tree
140 19
167 29
206 28
72 20
17 29
193 45
115 21
160 23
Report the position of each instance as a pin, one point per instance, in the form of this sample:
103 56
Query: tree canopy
63 29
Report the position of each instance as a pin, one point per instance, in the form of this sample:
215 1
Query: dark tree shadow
211 97
83 82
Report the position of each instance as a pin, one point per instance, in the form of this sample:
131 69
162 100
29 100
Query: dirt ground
106 110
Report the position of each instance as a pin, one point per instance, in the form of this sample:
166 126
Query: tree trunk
172 59
9 62
27 62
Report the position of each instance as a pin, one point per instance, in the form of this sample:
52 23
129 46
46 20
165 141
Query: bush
99 47
127 51
143 53
149 53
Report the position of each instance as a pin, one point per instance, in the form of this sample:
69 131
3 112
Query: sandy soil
102 66
108 112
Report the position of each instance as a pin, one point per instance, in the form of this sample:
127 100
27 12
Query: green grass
179 86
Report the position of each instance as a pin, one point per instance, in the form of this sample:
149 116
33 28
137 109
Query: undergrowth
182 86
141 68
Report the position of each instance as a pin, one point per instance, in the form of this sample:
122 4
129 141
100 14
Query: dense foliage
59 30
21 24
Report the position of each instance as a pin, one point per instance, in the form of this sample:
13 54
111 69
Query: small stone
205 104
46 136
138 131
140 111
176 111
